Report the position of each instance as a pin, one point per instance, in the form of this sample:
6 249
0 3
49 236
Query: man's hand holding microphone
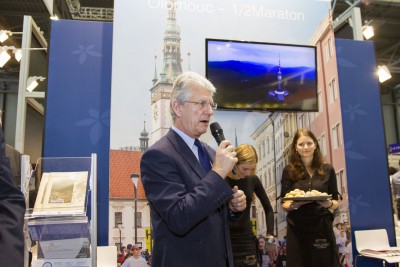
225 160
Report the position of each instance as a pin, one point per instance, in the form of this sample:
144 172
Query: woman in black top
310 238
242 237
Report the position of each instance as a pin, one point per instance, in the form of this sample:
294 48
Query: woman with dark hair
242 236
310 238
262 254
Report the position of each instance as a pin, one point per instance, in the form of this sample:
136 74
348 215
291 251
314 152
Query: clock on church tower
155 112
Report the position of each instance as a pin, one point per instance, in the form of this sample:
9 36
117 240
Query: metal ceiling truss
89 13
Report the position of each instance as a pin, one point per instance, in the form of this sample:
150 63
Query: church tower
172 68
144 139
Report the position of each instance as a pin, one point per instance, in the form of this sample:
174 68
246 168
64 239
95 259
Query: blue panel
78 100
364 140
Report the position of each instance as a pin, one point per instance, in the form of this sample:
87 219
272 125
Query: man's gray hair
182 88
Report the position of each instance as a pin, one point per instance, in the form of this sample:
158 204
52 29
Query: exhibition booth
110 77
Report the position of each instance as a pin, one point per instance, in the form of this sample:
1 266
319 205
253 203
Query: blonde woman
242 237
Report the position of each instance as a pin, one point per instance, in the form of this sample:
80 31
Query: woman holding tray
310 238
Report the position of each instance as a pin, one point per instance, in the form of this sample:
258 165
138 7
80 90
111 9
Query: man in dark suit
190 204
12 211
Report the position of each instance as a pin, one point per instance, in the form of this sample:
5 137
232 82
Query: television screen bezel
316 109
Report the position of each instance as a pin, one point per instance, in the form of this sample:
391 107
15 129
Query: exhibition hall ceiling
383 15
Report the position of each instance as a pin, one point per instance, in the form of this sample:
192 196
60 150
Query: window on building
320 104
328 47
322 144
270 177
138 219
263 150
253 212
341 183
336 136
263 218
265 180
306 120
312 116
330 91
300 121
117 218
331 46
335 89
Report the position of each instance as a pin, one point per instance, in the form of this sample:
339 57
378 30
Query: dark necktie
203 158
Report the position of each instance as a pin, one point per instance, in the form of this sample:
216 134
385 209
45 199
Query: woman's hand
328 204
325 203
294 205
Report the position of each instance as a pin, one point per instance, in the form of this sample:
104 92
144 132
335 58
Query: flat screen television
255 76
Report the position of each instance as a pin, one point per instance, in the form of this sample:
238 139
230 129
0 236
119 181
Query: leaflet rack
63 220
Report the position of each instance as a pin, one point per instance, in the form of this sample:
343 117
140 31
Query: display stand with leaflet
375 244
63 220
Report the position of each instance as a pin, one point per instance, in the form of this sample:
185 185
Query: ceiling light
3 36
54 17
4 57
368 31
383 73
18 54
32 82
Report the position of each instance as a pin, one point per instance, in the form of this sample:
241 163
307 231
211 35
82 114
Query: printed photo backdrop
138 51
142 28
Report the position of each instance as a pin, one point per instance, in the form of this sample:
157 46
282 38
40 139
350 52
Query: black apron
310 238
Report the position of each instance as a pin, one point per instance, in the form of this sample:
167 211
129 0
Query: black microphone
218 134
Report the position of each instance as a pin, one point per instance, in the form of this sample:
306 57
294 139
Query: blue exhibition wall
77 121
364 141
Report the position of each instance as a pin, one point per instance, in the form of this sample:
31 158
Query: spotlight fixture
5 34
4 56
17 54
32 82
383 73
368 31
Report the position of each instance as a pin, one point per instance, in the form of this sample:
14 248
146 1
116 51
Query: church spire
172 47
144 138
155 70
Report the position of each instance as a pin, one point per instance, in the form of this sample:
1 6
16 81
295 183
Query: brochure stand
63 221
374 244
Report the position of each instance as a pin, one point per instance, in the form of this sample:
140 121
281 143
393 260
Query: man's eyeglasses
203 104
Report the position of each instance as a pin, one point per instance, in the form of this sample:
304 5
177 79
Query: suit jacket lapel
186 153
